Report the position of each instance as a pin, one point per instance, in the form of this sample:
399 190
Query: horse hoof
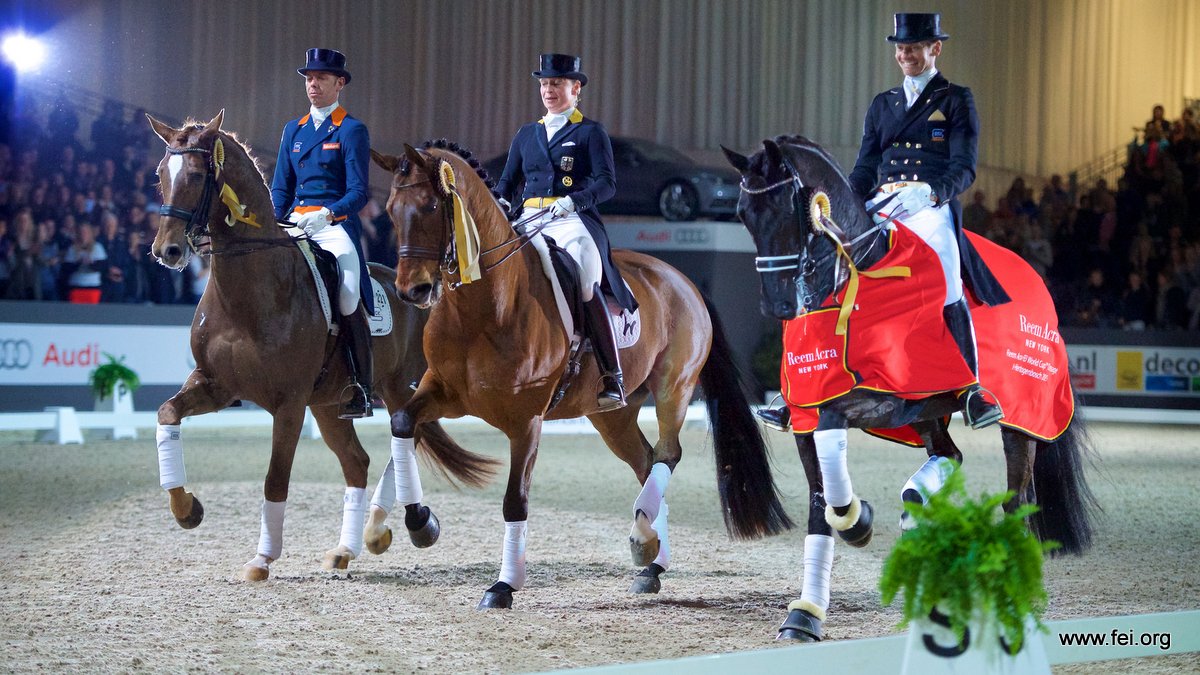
643 541
426 535
801 626
337 559
859 534
193 517
499 596
255 573
647 580
380 543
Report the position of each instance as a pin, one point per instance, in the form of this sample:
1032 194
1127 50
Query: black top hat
328 60
561 65
918 28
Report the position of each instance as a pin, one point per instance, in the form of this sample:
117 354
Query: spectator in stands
108 131
23 261
1170 307
976 216
84 265
1136 306
1157 123
1054 205
1037 250
6 246
1095 304
112 238
50 260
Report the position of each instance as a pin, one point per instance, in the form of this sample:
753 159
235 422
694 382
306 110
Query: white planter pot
120 403
933 649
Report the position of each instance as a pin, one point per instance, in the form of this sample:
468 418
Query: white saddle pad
627 326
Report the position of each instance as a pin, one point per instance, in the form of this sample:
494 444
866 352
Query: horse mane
195 125
458 150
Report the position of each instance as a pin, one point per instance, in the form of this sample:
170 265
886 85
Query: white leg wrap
354 510
663 559
831 453
818 566
170 457
270 537
652 491
385 489
404 463
930 477
512 565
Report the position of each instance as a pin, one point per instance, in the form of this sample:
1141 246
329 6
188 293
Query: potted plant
113 384
971 577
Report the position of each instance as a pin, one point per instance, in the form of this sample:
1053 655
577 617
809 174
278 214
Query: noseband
196 219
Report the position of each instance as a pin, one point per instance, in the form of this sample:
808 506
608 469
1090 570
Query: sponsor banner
1141 370
650 235
65 354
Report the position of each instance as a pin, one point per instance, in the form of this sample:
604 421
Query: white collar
319 115
559 118
918 82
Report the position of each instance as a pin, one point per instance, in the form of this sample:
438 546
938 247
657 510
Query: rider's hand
562 207
913 198
313 221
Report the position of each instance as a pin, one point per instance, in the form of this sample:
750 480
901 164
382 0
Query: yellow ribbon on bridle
822 222
237 210
466 234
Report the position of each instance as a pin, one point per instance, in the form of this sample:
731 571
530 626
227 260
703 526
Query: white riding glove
562 207
504 204
313 221
913 198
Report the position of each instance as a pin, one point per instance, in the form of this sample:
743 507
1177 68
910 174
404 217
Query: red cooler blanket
896 342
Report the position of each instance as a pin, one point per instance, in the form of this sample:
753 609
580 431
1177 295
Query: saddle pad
627 327
381 321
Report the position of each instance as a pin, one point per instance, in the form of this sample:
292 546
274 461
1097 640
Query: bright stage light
23 52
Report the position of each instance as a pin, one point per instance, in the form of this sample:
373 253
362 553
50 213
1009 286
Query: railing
1110 166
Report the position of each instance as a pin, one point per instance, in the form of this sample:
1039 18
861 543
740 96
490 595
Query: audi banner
64 354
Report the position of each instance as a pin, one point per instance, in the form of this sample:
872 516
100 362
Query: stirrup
358 406
985 414
778 419
611 398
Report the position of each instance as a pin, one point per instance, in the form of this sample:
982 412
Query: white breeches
935 226
570 233
336 240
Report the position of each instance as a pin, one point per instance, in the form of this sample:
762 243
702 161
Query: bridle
806 266
446 252
196 219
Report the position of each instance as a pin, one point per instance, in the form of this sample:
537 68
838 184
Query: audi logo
691 235
15 354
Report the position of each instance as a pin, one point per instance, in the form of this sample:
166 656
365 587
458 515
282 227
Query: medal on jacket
567 163
567 181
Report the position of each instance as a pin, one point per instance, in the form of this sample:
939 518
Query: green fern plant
104 377
969 559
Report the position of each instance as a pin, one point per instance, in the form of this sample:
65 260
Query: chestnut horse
260 334
787 187
497 348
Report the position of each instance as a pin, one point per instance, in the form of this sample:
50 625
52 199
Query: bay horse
260 334
813 238
497 349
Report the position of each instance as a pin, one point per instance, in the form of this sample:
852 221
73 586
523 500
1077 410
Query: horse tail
1066 503
749 499
454 462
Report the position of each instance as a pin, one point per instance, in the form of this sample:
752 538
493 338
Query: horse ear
739 161
386 162
774 154
214 125
163 130
416 158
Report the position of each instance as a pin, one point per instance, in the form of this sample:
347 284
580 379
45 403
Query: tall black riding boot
977 411
358 356
604 345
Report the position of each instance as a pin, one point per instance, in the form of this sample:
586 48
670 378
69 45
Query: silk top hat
561 65
328 60
918 28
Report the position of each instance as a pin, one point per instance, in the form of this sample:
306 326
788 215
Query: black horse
812 235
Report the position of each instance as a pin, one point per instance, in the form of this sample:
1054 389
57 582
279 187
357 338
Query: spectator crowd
1125 258
77 222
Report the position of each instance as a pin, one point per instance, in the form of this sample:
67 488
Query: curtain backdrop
1057 82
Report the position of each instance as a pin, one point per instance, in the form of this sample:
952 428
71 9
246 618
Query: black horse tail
454 462
1067 505
749 499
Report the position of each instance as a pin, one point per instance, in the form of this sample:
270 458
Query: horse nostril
422 292
173 251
